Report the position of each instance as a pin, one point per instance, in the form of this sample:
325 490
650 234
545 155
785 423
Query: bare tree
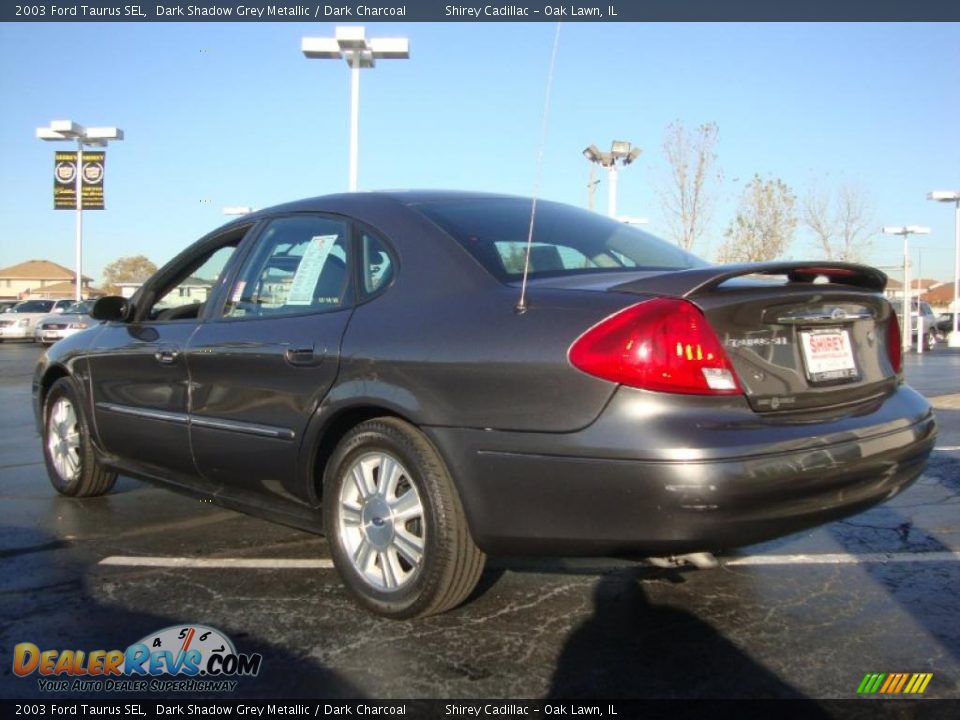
688 192
765 223
842 226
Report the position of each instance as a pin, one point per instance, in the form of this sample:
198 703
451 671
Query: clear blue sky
232 114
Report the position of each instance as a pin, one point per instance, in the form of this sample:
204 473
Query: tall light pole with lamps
60 130
906 231
953 196
237 210
352 45
621 152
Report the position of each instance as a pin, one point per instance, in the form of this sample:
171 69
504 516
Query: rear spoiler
699 281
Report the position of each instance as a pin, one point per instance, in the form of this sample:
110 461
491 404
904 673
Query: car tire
68 453
395 524
931 342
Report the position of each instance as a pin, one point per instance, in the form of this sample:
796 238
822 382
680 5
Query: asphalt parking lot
805 616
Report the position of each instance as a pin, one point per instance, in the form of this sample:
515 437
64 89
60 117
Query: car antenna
522 305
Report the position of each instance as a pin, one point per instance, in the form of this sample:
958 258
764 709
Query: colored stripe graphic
894 683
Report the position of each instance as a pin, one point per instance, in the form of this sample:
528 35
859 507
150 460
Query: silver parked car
922 312
19 322
57 326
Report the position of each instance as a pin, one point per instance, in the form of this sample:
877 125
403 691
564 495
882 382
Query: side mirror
111 308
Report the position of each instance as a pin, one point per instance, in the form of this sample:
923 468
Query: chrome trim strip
162 415
824 318
270 431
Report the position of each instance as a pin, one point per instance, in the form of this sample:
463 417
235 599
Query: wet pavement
874 593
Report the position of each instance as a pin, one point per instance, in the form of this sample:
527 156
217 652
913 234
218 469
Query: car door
260 369
139 377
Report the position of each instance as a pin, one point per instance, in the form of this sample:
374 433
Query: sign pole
79 242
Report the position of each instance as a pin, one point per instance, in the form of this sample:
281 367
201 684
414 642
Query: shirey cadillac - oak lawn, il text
358 365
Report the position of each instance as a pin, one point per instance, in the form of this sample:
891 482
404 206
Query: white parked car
922 312
19 322
57 326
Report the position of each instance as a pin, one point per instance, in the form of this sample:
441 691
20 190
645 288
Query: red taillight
894 343
663 344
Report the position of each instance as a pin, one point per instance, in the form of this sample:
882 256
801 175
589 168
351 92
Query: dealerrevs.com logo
191 658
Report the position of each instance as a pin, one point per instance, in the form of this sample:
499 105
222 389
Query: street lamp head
894 230
620 148
351 37
592 153
944 195
918 229
68 130
390 48
237 210
632 155
351 44
320 48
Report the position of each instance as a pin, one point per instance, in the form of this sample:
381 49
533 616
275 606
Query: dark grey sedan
361 365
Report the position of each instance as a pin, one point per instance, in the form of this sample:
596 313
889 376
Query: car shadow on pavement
927 591
50 601
632 648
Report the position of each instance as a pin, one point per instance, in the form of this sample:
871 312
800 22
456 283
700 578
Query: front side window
185 299
299 266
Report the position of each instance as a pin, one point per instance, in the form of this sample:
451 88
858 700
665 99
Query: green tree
765 223
133 269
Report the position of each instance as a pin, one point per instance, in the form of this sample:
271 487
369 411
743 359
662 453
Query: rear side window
566 240
377 264
298 266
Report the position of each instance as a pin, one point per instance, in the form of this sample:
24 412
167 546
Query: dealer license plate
828 355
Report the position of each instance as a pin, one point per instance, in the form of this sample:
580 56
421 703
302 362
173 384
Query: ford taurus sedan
362 365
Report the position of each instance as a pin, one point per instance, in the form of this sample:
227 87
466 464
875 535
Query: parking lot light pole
953 196
352 45
60 130
906 231
237 210
622 153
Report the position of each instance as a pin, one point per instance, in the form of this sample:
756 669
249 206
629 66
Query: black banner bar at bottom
785 709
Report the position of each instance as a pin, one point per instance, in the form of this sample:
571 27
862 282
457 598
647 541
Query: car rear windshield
33 306
566 240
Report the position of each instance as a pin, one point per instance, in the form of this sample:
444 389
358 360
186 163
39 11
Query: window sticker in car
308 271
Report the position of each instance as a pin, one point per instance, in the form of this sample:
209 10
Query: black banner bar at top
475 11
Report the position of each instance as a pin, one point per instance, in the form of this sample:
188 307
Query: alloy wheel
381 521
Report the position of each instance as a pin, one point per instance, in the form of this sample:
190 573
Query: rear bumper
657 475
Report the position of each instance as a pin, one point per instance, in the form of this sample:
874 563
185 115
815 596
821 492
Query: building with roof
42 279
941 297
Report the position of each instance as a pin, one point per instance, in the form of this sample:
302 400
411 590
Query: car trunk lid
814 338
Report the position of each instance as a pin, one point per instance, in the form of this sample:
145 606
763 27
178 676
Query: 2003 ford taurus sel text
360 365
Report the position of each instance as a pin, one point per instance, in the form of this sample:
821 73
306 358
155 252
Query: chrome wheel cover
63 439
381 522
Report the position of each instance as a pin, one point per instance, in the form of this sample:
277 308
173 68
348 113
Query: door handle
166 357
302 356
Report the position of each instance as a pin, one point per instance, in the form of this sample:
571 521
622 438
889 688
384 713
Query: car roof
323 203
